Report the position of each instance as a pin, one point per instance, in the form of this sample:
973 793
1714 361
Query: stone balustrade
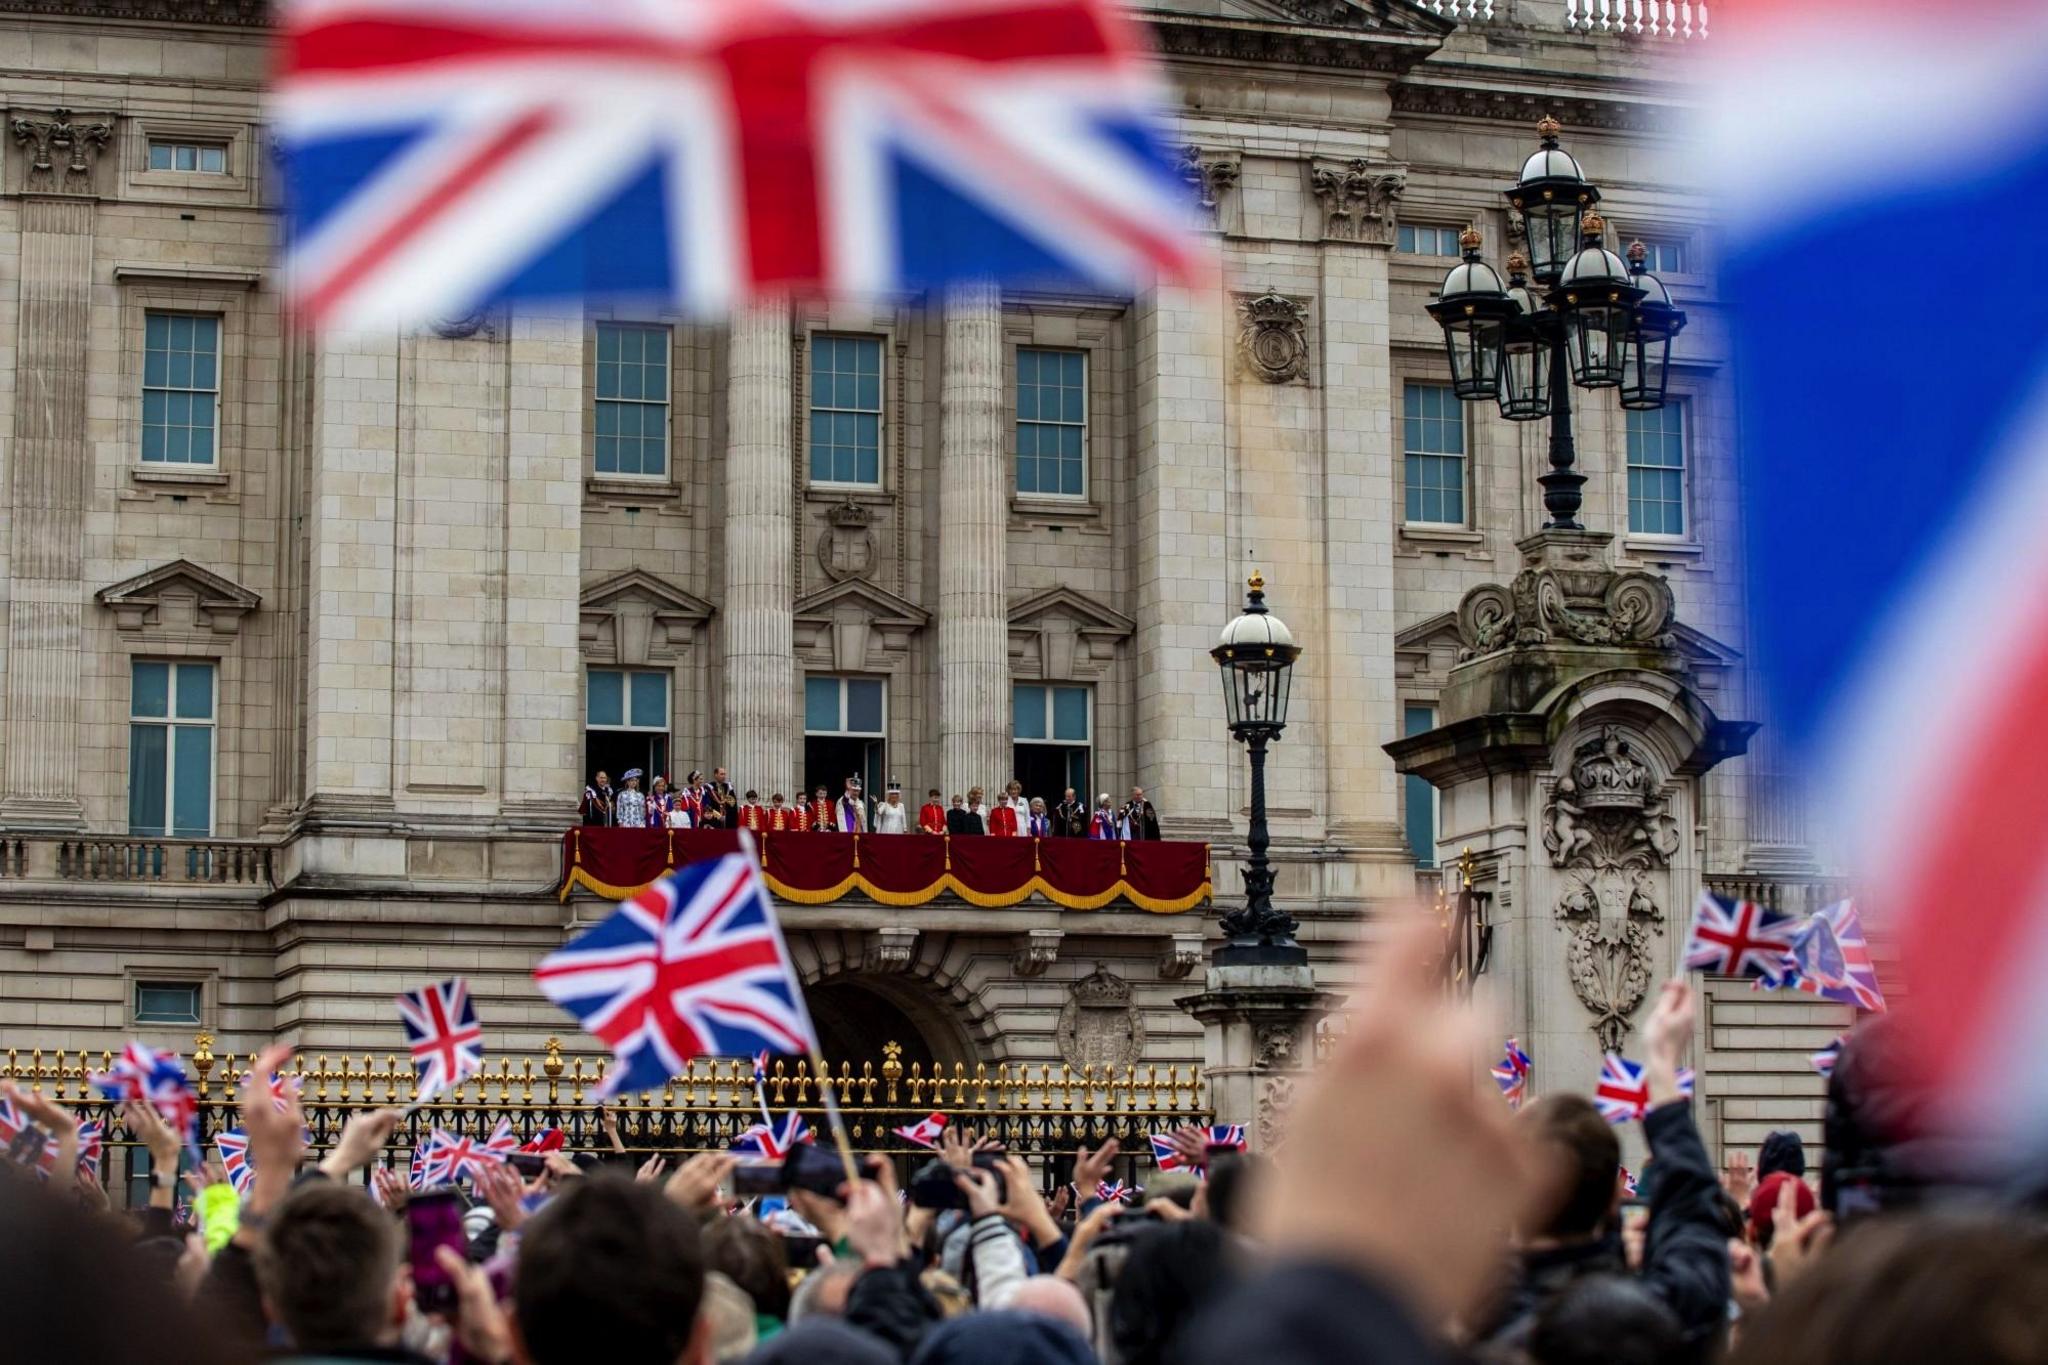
111 858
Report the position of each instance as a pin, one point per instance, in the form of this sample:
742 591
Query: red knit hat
1763 1201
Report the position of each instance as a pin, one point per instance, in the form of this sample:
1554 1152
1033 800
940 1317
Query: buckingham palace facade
310 649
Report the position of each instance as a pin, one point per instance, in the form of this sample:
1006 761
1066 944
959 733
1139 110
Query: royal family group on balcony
715 804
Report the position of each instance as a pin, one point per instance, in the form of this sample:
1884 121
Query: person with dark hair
615 1263
1685 1249
1003 1338
1605 1320
755 1259
333 1274
1232 1186
1782 1151
1171 1272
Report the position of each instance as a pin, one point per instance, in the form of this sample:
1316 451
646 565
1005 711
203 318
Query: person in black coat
960 820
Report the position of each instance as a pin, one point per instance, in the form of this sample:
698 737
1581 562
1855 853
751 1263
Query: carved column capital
1212 174
1357 199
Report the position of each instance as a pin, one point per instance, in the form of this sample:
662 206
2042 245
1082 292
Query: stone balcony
237 865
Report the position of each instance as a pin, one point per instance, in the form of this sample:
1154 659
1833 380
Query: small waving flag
441 1029
1737 938
1622 1094
1512 1075
25 1141
416 1173
448 1158
1628 1183
233 1146
1830 958
926 1132
773 1142
92 1143
1825 1059
1226 1135
157 1079
694 966
1166 1156
1113 1192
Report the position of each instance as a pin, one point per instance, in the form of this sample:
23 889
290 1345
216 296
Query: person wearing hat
630 810
853 809
931 816
892 816
1103 825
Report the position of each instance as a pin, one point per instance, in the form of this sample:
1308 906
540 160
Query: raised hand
874 1223
980 1188
1024 1205
609 1122
1190 1142
480 1324
391 1187
362 1137
62 1123
1665 1035
956 1146
1796 1243
1738 1177
695 1183
147 1126
1092 1168
651 1169
502 1189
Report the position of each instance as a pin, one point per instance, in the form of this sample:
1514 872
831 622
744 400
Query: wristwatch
164 1180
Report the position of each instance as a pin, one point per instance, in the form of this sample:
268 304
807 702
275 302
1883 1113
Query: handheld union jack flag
1512 1075
1166 1156
772 1142
155 1078
441 1029
416 1172
1622 1094
694 966
1829 957
1825 1059
446 1158
926 1132
92 1142
1737 938
442 154
1113 1192
25 1141
1226 1135
233 1146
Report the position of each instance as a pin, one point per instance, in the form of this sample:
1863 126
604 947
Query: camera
933 1186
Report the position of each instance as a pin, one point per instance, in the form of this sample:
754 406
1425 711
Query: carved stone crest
1211 175
1357 200
1607 823
847 547
1272 337
1566 592
61 148
1276 1102
1099 1026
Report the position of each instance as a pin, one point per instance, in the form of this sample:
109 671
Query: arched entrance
856 1015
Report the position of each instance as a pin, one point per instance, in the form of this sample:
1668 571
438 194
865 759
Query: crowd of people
698 803
1405 1216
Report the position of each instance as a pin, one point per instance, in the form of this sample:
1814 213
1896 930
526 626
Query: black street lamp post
1256 656
1600 322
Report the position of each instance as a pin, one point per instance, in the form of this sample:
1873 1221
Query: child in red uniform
753 815
931 817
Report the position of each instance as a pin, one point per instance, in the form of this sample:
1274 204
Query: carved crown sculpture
1100 989
1608 776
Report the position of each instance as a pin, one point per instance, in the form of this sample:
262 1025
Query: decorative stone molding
62 150
1567 591
1607 823
839 628
1519 109
647 618
240 13
1183 954
1357 199
1332 34
1100 1026
890 949
1212 175
847 547
1037 949
1276 1047
177 595
485 322
1272 337
1068 635
1276 1101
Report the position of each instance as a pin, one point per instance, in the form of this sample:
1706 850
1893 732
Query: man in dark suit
961 820
1140 820
1070 817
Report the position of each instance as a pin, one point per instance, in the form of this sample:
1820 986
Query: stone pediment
878 605
179 595
636 617
1064 635
1084 611
857 626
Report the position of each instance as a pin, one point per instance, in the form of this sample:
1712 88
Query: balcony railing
1795 895
136 859
1680 19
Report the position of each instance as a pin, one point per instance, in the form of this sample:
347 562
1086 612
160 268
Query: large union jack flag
772 1142
1830 957
694 966
442 154
447 1158
1622 1094
1737 938
441 1029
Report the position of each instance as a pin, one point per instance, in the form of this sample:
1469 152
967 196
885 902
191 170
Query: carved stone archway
915 974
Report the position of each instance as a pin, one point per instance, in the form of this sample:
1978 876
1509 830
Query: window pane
864 705
821 705
213 159
650 700
192 771
1419 796
147 767
159 156
166 1002
1070 713
195 691
151 690
606 704
1027 711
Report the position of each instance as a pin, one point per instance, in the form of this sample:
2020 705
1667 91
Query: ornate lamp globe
1646 351
1256 656
1552 196
1525 353
1473 309
1599 309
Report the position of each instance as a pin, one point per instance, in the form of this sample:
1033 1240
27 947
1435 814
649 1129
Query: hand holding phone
433 1219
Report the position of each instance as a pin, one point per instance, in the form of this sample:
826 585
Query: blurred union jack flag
155 1078
1737 938
441 1029
26 1141
694 966
233 1146
442 154
446 1158
92 1142
1825 1059
1829 957
1622 1094
772 1142
1512 1075
1113 1192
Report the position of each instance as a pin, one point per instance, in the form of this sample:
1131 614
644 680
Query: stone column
760 684
974 633
46 489
1258 1039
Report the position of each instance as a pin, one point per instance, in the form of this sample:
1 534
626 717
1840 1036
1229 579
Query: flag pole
833 1120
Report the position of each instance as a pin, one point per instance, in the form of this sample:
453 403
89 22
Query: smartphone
528 1164
933 1186
757 1177
814 1169
433 1219
802 1251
